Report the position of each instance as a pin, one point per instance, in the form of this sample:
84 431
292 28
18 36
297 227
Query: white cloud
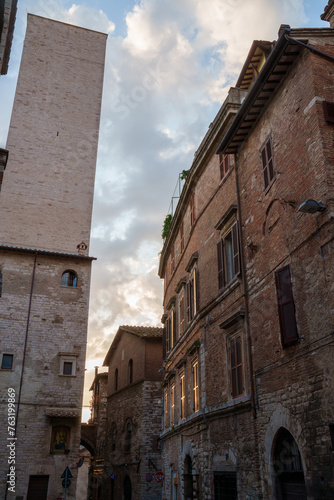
165 79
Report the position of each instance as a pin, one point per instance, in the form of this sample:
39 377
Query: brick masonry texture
52 138
46 203
138 404
289 387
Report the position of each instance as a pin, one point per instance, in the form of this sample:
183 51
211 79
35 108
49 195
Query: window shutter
286 306
164 347
220 259
328 111
174 327
235 246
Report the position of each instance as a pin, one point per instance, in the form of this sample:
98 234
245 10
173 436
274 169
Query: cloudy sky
169 66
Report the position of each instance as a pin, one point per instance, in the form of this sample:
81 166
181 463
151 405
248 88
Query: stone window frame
181 311
2 361
69 279
68 358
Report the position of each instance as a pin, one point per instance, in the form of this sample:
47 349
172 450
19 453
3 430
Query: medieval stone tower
45 205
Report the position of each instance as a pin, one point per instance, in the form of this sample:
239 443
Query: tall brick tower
45 205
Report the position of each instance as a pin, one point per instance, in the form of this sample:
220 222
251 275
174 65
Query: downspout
246 293
25 341
24 356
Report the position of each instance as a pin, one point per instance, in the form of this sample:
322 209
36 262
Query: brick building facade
46 204
134 415
248 281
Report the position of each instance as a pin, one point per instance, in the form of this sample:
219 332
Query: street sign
149 477
80 462
66 483
67 473
112 475
159 477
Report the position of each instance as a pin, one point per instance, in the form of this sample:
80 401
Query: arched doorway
289 474
188 478
127 488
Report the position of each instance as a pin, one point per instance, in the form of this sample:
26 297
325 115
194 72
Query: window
182 396
68 363
236 367
113 437
116 379
224 164
69 278
166 408
130 371
191 289
267 163
192 209
195 386
286 306
225 486
171 329
182 236
228 256
67 368
172 259
172 397
328 108
7 362
181 313
128 437
60 439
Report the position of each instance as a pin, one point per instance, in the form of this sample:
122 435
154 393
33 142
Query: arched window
113 437
288 467
128 432
116 379
69 278
130 371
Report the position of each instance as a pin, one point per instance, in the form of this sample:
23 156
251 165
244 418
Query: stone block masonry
46 205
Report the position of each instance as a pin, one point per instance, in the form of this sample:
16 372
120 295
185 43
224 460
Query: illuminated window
172 397
195 386
182 396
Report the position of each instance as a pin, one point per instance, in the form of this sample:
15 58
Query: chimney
328 14
96 370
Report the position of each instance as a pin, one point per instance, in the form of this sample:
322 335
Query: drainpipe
246 293
24 356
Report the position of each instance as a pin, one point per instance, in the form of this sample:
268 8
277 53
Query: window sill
267 189
224 179
223 292
67 376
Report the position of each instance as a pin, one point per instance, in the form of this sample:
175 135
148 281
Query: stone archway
287 463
